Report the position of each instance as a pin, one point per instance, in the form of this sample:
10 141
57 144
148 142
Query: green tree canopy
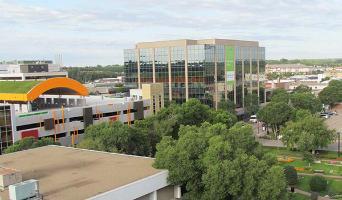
280 95
307 134
115 137
224 117
318 183
331 94
291 175
307 101
302 89
251 103
213 162
30 143
227 105
275 114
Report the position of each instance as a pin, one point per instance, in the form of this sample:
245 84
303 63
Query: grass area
334 186
16 86
285 152
328 169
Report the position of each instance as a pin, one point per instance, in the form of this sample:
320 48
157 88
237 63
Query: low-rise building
30 70
72 174
289 68
59 108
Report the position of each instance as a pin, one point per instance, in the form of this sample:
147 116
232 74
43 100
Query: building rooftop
30 90
70 173
183 42
17 86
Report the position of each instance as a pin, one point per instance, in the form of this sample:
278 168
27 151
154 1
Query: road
334 122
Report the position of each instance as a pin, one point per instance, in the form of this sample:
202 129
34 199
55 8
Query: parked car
325 115
253 119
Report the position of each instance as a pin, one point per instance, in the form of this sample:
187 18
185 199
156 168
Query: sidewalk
309 194
318 174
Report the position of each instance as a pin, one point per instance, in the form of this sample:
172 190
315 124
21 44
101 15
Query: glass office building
209 70
5 127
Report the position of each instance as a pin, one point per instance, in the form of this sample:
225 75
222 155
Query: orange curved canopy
42 87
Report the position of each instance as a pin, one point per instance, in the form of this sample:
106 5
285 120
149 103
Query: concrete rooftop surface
71 173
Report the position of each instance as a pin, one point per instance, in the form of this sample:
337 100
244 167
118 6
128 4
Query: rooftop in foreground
70 173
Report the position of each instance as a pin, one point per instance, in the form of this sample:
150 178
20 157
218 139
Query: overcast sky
89 32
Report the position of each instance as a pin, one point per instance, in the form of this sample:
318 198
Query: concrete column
138 63
234 86
258 78
243 80
225 76
186 74
154 65
215 79
170 77
153 195
250 71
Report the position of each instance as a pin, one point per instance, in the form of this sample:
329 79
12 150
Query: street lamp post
338 144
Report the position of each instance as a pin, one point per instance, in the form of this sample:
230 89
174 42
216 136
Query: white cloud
95 32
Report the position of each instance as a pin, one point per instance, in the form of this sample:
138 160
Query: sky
91 32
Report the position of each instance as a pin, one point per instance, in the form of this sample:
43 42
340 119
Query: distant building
74 174
289 68
59 108
209 70
106 85
153 92
334 72
30 70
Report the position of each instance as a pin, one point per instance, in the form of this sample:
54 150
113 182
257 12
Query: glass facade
178 74
162 69
5 127
130 68
240 77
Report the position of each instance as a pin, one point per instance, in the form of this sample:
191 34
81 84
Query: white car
253 119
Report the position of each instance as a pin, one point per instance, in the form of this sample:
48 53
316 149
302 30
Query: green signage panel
229 58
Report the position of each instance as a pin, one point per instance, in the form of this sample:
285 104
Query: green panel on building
230 71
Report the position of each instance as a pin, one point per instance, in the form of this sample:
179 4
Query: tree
280 95
302 89
275 114
306 101
193 112
224 117
291 175
115 137
300 114
331 94
213 162
251 103
318 184
30 143
308 157
307 134
273 184
227 105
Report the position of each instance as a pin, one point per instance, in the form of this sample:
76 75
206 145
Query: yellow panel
13 97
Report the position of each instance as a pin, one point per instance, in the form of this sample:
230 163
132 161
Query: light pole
338 143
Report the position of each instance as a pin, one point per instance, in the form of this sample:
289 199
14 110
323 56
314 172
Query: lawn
285 152
16 86
334 186
328 169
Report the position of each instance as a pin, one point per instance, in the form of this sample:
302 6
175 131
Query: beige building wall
154 92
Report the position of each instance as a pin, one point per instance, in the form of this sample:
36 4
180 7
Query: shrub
29 143
318 184
291 175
